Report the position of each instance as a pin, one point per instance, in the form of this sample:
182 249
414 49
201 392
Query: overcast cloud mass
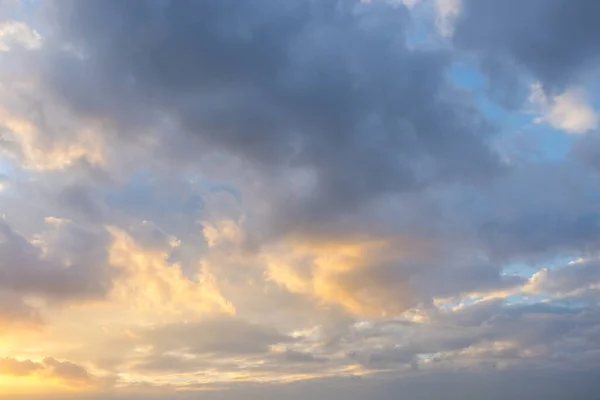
357 199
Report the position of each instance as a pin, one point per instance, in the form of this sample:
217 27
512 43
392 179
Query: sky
266 199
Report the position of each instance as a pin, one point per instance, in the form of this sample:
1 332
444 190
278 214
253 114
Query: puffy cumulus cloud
303 101
568 111
206 195
14 33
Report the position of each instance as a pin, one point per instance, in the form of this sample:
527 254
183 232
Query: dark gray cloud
331 89
328 87
542 233
555 40
533 212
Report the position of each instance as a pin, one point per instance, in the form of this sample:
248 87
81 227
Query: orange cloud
32 147
48 372
148 282
352 273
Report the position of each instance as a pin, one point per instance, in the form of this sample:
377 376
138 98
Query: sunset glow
299 199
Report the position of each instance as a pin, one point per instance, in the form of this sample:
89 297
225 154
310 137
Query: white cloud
410 3
447 11
18 33
569 111
407 3
4 182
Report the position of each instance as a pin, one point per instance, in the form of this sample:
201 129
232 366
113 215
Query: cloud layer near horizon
304 198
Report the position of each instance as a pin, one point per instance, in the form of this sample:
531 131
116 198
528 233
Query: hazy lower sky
299 199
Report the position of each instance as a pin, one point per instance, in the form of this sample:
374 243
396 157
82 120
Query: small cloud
67 372
407 3
18 33
410 3
64 372
14 367
447 11
569 111
55 221
4 182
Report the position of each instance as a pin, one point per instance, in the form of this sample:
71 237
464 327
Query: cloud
64 372
556 41
295 104
62 264
4 182
35 144
568 111
11 366
586 150
301 357
447 11
227 197
554 385
15 33
578 279
383 277
542 233
16 314
228 336
150 284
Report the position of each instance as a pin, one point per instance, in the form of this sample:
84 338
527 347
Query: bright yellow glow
37 384
150 285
